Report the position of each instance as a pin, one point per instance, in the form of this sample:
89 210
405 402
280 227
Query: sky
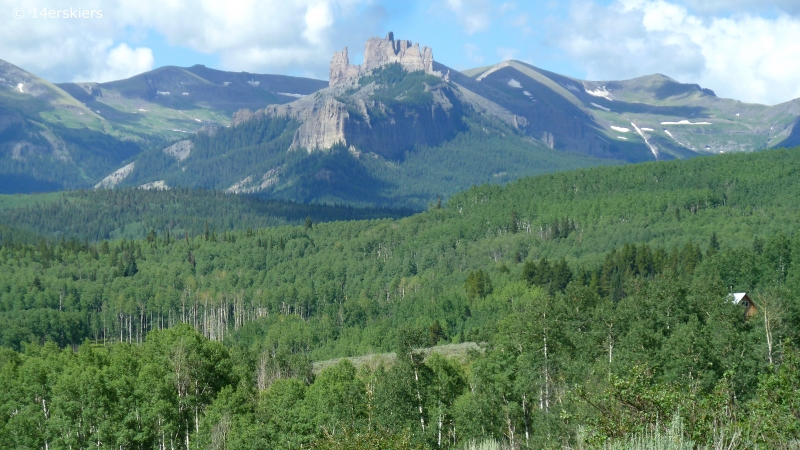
743 49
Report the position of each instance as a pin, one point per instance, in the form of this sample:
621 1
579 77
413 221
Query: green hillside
599 298
132 213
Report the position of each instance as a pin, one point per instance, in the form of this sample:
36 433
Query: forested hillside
133 213
599 298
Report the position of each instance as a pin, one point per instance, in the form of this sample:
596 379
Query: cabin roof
737 297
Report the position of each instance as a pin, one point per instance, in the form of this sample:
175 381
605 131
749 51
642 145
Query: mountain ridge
617 121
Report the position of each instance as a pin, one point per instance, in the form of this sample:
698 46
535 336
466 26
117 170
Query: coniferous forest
585 309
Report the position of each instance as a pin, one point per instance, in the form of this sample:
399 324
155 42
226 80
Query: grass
20 200
459 352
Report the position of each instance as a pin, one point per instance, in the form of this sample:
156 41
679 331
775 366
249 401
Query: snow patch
598 106
20 86
143 110
514 83
526 93
676 139
290 95
622 137
253 83
599 92
686 122
620 129
653 149
198 120
648 129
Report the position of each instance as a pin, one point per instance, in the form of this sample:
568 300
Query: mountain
187 97
402 129
393 131
49 140
399 130
71 135
655 113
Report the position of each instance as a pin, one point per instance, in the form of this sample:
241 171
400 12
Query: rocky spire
380 52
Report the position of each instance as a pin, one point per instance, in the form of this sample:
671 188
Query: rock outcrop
380 52
115 177
179 150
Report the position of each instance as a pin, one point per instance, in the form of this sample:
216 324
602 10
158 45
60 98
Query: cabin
744 300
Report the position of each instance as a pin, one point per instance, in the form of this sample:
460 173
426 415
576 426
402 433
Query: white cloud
124 62
742 6
746 57
473 15
249 35
473 53
507 54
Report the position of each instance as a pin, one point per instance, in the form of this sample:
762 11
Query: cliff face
367 124
380 52
381 117
400 128
364 116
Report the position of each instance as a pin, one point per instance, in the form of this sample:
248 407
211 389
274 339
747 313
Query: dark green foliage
399 87
130 213
91 156
478 284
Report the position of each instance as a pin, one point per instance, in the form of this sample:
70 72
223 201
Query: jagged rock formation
380 52
349 113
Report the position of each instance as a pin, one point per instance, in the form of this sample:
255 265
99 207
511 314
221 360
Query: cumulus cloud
123 62
747 57
249 35
473 53
473 15
507 54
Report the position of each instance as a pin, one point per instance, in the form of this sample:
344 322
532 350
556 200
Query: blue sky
743 49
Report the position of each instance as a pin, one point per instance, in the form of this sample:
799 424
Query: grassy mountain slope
656 104
176 98
49 140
